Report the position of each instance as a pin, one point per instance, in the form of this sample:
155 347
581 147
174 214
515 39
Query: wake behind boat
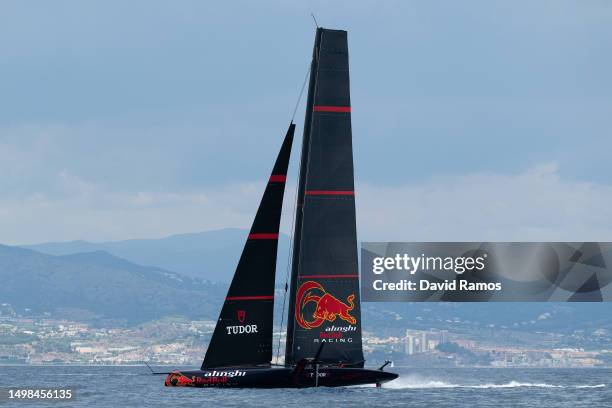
324 346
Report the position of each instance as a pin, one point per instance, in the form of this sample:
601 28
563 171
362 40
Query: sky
472 120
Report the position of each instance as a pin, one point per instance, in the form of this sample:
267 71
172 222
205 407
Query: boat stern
178 379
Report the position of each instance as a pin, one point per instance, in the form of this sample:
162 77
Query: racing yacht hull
281 377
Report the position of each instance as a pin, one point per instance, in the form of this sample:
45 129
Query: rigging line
295 197
297 104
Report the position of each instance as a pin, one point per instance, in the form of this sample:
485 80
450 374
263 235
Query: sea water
460 387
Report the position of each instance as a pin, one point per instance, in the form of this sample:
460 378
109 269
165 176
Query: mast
324 299
243 334
300 199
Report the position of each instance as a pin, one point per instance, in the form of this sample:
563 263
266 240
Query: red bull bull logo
326 306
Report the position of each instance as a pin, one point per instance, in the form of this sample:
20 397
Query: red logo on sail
327 307
241 315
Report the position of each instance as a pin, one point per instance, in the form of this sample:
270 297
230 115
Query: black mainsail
324 299
243 335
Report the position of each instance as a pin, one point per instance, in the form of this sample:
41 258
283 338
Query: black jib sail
324 299
243 335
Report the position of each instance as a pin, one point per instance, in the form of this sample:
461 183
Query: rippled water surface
136 387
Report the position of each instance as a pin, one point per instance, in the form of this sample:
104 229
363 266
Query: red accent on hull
278 178
329 276
330 192
263 235
323 108
249 298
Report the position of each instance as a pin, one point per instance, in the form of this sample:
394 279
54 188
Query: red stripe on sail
249 298
330 192
323 108
263 236
329 276
278 178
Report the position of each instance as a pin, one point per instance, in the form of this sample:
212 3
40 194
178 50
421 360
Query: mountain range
188 275
98 285
210 255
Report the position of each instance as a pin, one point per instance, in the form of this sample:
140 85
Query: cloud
86 210
536 204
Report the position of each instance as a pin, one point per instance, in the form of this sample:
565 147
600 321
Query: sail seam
263 236
330 192
324 108
278 178
249 298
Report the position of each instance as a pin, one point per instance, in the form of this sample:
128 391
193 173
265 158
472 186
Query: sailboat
323 342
